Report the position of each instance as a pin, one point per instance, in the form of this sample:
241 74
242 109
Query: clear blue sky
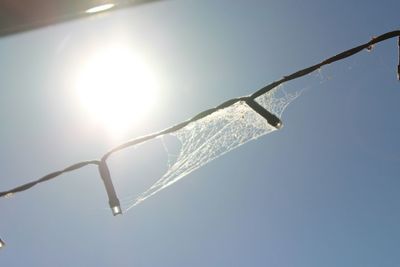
323 191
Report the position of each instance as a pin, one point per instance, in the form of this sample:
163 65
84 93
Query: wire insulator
271 118
112 196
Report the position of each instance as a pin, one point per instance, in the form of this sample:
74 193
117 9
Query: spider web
216 134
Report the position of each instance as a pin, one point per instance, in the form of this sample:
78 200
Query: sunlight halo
117 88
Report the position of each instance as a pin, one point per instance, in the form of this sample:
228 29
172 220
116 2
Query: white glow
100 8
116 210
1 243
117 88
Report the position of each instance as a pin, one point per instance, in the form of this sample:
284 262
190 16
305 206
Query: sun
116 88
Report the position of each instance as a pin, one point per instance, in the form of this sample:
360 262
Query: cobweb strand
217 134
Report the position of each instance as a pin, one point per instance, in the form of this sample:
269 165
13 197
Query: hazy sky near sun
322 191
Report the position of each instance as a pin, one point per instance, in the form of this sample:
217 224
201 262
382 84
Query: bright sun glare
100 8
117 88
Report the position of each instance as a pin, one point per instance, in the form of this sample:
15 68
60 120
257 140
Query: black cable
47 177
113 200
271 118
261 91
398 66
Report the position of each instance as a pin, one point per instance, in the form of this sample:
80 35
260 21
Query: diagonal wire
48 177
205 113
